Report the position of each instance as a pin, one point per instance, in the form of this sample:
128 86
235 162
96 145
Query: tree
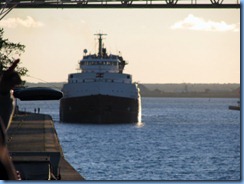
9 52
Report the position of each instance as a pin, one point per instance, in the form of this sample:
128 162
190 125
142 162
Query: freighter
101 92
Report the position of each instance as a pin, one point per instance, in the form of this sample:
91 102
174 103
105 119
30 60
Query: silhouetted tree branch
9 52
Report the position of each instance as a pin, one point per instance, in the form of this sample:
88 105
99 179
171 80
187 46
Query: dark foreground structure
7 5
120 3
35 149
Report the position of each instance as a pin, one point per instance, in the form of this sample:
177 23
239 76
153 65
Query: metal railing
7 5
166 3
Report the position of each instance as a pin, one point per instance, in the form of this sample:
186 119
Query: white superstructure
101 75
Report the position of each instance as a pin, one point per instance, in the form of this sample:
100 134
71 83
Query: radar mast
100 47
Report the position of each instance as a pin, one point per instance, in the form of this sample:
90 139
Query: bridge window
113 63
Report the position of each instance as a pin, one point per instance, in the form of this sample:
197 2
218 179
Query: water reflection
139 124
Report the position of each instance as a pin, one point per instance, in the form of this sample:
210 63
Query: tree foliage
9 52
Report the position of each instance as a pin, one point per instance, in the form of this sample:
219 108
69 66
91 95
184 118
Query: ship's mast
100 43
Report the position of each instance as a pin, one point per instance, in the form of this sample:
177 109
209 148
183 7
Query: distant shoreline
182 90
194 95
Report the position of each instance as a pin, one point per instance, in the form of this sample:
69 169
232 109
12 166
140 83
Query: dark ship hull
234 108
99 109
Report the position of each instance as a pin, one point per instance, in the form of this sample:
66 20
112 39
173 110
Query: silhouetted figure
8 80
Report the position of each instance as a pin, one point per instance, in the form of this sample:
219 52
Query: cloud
29 22
199 24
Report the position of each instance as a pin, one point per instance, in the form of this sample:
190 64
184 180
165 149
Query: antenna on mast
100 46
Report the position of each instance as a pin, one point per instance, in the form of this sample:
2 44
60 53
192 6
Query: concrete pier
35 149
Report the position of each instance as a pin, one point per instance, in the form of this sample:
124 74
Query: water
178 139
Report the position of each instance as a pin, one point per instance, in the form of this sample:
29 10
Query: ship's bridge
92 63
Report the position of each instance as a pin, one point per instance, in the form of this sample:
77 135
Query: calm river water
178 139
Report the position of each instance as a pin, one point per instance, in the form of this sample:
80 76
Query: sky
160 45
